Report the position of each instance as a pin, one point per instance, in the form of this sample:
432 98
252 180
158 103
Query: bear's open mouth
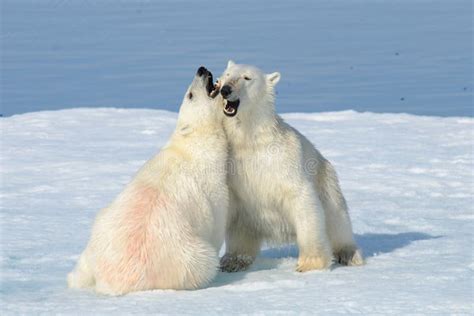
211 87
231 107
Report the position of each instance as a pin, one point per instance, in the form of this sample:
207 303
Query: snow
367 55
408 180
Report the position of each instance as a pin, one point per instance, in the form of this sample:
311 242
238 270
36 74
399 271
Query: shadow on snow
372 244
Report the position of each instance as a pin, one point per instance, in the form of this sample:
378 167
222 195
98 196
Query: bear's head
201 102
244 86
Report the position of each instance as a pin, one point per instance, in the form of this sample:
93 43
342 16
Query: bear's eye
247 78
190 95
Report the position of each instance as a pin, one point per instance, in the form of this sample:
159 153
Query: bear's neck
196 140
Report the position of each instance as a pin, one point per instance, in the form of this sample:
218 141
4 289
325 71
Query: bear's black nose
202 71
226 91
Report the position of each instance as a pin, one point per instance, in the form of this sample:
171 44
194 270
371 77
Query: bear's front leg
242 246
310 226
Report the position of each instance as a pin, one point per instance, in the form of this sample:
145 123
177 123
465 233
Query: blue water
379 56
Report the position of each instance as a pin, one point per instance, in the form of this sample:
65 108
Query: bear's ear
273 78
230 63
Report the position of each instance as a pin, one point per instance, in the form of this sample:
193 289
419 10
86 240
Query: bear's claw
232 263
312 263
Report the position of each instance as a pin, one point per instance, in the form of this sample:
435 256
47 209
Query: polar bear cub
281 188
165 229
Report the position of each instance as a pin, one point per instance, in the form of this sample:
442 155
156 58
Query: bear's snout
226 91
202 71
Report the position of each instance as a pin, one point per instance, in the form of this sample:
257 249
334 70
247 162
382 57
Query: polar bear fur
165 229
281 188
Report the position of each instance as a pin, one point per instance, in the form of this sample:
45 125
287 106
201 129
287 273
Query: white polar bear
164 231
281 188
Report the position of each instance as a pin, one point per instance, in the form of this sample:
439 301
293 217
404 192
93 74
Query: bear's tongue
231 107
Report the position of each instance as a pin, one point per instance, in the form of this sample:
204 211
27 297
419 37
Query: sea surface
377 56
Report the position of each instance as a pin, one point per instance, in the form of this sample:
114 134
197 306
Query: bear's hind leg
338 222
